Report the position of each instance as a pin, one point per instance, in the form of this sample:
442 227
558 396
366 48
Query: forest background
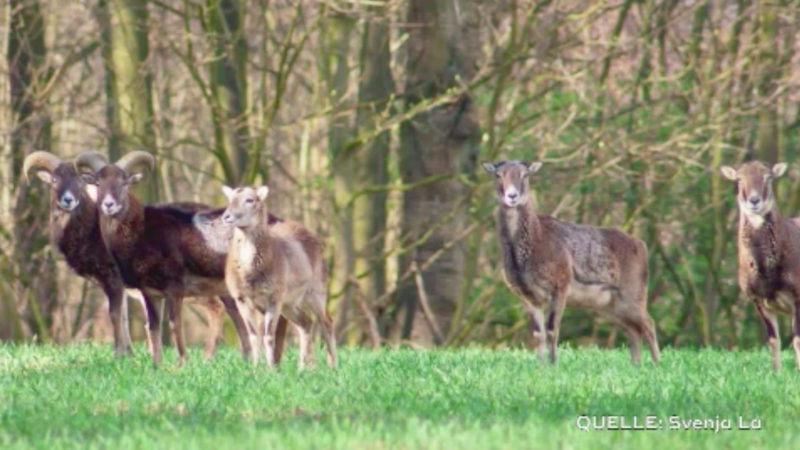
368 119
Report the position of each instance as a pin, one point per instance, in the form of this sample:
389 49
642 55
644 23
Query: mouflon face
754 186
65 186
512 180
246 205
113 184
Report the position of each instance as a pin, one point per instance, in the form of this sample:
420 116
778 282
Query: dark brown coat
170 251
74 231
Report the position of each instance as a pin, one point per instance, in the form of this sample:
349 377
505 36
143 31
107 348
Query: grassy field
80 396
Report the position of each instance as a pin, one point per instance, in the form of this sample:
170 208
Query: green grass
80 396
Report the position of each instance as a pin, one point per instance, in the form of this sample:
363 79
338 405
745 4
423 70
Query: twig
374 334
423 302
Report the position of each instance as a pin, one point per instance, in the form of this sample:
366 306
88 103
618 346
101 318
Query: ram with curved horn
75 232
45 163
168 251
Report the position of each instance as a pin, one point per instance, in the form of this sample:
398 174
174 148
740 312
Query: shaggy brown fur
162 251
554 264
769 252
275 270
75 232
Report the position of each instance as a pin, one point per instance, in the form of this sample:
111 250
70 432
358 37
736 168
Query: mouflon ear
228 191
91 191
134 178
262 192
45 176
489 168
534 167
729 173
779 169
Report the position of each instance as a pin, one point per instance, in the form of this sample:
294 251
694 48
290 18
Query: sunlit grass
80 396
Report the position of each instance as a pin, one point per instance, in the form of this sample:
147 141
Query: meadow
80 396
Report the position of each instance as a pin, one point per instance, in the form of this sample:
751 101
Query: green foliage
80 397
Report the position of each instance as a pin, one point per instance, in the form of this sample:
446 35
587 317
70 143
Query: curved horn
40 160
91 159
135 159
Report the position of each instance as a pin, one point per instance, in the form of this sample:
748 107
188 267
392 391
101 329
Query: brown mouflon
170 251
75 232
275 270
769 251
551 264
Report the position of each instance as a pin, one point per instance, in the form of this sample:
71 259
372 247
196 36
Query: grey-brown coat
552 264
275 270
768 248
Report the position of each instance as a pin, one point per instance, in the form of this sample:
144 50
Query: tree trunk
129 105
376 86
688 80
33 267
769 74
335 71
224 21
689 84
443 48
10 325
